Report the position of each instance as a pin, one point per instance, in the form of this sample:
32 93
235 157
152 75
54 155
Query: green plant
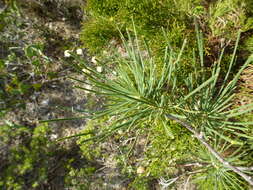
20 75
20 158
23 65
30 159
90 150
10 19
211 168
139 94
141 183
79 179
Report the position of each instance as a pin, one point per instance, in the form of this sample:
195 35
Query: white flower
79 51
99 69
50 25
67 53
93 60
53 136
32 74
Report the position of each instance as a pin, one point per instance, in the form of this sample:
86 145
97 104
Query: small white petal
54 136
79 51
93 60
32 74
99 69
50 25
67 53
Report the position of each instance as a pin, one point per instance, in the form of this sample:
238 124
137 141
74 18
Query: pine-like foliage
137 92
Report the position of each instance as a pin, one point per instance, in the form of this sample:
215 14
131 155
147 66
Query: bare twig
199 136
201 165
187 182
245 168
166 183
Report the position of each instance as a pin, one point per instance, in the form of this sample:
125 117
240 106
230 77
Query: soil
57 24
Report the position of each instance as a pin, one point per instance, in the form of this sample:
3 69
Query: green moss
229 16
169 146
97 33
80 179
149 17
24 155
248 44
90 149
31 157
140 183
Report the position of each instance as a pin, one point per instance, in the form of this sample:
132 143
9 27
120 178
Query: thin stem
245 168
167 183
199 136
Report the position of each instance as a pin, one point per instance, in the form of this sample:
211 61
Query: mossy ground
131 159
